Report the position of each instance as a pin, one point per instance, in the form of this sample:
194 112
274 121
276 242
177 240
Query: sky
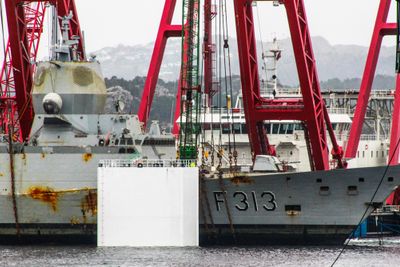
130 22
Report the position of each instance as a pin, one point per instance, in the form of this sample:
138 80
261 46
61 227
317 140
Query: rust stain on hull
241 179
89 203
45 194
87 157
74 221
51 196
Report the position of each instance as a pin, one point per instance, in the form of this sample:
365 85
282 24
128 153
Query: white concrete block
148 207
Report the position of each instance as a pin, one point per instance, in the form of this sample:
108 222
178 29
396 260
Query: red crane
25 21
165 31
382 28
310 109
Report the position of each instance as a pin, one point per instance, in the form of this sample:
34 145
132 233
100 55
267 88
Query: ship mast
272 55
66 48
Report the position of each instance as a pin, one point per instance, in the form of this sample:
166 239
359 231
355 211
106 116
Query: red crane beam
208 51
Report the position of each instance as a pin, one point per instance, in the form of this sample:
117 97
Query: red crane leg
249 72
175 128
381 28
22 68
394 198
165 31
208 52
309 83
395 132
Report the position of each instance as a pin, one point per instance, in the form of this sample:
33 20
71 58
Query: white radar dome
52 103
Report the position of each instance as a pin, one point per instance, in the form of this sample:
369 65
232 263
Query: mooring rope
12 173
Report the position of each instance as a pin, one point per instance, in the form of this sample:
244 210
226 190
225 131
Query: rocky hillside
333 61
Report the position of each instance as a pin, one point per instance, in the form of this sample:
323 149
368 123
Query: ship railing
339 110
372 137
280 92
145 163
363 137
387 209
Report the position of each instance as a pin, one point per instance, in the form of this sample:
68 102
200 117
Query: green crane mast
190 85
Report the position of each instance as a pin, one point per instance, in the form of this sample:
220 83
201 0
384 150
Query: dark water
366 254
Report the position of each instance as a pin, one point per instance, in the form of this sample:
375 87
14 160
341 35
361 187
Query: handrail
140 163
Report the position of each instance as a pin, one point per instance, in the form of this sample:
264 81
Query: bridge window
275 128
236 128
226 128
298 127
290 128
282 129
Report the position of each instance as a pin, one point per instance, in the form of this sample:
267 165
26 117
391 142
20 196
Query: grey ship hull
56 201
292 208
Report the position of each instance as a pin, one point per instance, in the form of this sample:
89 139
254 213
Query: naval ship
285 203
48 183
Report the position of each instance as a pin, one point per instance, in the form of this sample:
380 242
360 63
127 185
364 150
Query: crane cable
220 53
211 109
259 27
224 49
232 127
